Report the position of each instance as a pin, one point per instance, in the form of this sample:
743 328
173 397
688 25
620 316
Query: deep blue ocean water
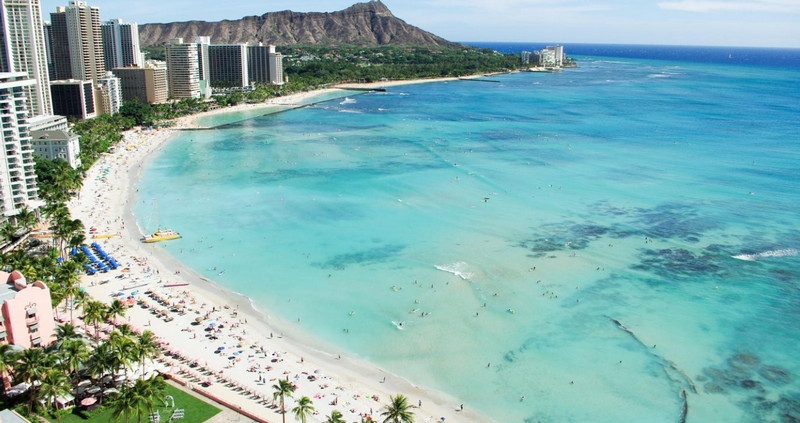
748 56
595 240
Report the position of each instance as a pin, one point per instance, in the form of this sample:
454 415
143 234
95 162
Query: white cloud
783 6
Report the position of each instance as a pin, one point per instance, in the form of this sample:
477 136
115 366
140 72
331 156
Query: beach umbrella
111 391
85 382
88 401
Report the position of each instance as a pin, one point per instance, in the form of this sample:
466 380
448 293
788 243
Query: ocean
581 246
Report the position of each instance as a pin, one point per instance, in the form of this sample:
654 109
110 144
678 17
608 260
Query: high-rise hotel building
275 67
22 49
203 44
17 176
147 84
228 65
121 44
85 41
183 70
109 94
58 42
264 64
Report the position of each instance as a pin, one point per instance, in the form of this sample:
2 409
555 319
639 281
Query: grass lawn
195 411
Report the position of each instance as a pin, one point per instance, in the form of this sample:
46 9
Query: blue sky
768 23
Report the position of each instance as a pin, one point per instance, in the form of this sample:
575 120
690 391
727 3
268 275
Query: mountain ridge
367 24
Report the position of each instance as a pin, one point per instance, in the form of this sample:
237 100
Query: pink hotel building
27 314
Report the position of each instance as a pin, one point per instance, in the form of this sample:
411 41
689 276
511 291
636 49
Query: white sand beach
248 350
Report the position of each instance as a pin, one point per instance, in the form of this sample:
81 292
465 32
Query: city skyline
757 23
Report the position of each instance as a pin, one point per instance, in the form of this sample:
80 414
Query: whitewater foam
774 253
459 269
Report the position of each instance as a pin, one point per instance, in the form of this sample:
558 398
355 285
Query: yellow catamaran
160 234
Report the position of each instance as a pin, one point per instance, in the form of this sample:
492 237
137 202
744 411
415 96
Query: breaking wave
774 253
459 269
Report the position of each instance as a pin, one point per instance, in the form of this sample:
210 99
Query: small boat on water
160 234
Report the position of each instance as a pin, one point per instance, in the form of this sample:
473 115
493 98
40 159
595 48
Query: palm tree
45 266
8 232
125 404
101 362
303 409
26 218
31 366
76 240
126 330
16 259
283 389
54 385
66 332
7 360
75 353
335 417
57 296
123 350
79 300
54 210
146 347
95 313
66 228
151 392
116 308
69 290
398 410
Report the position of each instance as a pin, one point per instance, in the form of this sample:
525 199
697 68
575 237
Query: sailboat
160 234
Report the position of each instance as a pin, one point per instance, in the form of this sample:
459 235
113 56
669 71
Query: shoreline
300 353
298 99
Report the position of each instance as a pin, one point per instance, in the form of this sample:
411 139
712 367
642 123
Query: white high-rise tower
121 44
23 50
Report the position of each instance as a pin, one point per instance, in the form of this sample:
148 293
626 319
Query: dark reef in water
675 221
567 236
677 263
666 221
365 257
744 374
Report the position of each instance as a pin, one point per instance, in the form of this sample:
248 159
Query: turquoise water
532 221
